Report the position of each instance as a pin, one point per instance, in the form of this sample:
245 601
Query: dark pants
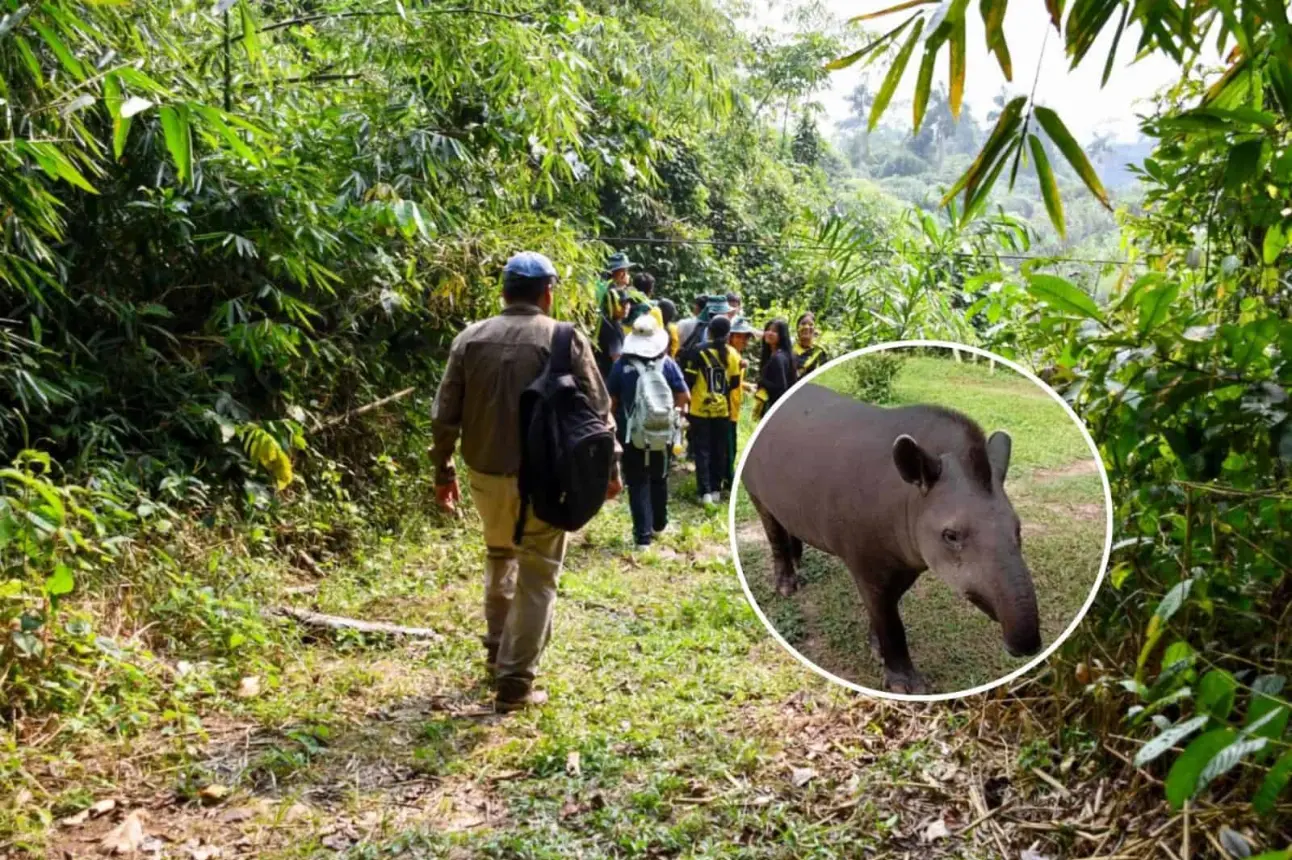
647 480
709 437
730 480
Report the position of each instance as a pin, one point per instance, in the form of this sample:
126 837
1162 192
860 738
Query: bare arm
446 416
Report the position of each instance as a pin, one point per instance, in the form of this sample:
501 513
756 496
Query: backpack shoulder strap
562 338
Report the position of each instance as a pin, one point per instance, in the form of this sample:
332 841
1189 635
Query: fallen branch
355 413
336 622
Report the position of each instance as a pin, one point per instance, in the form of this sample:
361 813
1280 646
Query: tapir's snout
1017 615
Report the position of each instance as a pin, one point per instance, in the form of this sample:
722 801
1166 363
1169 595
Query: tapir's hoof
786 586
907 684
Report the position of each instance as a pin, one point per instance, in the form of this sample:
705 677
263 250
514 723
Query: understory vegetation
235 242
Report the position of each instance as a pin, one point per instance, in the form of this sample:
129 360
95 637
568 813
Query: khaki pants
520 581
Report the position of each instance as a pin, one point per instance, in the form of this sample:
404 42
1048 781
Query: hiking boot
513 695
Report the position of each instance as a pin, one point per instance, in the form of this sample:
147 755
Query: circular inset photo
921 520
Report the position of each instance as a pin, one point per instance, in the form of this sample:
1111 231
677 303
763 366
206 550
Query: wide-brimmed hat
647 339
619 261
717 306
740 325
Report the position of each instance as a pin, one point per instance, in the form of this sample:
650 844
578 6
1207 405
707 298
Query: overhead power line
872 251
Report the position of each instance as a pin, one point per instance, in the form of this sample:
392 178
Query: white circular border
933 697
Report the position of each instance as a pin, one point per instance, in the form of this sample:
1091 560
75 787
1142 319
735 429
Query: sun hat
619 261
529 264
647 339
716 307
740 325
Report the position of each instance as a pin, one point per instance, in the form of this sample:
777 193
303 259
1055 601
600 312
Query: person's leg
639 493
529 625
498 505
658 472
702 442
718 461
730 481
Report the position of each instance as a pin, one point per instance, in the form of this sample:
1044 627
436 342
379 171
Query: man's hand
448 495
614 488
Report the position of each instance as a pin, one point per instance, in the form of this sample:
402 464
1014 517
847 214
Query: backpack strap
560 359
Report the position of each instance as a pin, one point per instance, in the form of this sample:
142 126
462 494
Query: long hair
783 344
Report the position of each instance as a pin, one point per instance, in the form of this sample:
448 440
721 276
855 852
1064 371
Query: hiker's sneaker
514 695
667 530
642 547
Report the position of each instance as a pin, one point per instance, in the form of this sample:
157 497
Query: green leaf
1067 144
1155 306
60 50
1173 600
957 91
923 86
1167 739
60 581
1049 187
1275 241
1182 779
1276 781
1244 164
993 18
178 140
1225 760
215 119
1216 692
900 7
859 54
1112 51
979 194
1055 8
894 76
1061 294
250 39
1006 124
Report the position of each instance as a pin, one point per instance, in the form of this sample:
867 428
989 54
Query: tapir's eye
951 536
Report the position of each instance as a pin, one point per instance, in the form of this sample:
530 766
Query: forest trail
677 727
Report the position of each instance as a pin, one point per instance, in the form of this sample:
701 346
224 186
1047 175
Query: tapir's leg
782 550
888 634
796 550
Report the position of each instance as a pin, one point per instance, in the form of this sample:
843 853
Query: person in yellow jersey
808 356
712 370
668 315
741 335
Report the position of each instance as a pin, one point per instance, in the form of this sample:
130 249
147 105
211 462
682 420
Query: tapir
893 492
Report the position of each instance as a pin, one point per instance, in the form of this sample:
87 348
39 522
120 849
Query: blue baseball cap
529 264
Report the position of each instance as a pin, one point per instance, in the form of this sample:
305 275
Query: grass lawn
1055 487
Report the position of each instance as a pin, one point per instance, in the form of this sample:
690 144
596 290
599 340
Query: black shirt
610 342
777 375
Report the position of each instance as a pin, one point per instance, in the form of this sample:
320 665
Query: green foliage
872 376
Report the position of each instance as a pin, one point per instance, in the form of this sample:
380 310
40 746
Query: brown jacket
490 363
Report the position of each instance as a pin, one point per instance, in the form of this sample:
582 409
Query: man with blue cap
490 363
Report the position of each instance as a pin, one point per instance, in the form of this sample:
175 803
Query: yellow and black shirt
714 380
808 360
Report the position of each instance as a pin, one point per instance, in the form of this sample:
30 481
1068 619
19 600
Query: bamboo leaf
1049 186
250 39
993 18
179 140
1055 8
978 195
900 7
60 50
894 76
1006 124
859 54
957 61
1067 144
923 86
133 106
1112 51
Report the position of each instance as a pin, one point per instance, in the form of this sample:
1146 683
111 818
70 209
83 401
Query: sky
1075 95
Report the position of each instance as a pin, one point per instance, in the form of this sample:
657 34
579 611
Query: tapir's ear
914 464
998 447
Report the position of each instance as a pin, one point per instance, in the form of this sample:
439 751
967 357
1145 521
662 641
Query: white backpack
652 424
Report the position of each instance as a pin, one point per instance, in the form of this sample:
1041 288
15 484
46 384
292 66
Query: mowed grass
1055 487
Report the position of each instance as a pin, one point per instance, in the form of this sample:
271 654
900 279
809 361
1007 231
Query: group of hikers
657 380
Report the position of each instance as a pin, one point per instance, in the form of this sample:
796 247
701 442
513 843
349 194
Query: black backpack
567 449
